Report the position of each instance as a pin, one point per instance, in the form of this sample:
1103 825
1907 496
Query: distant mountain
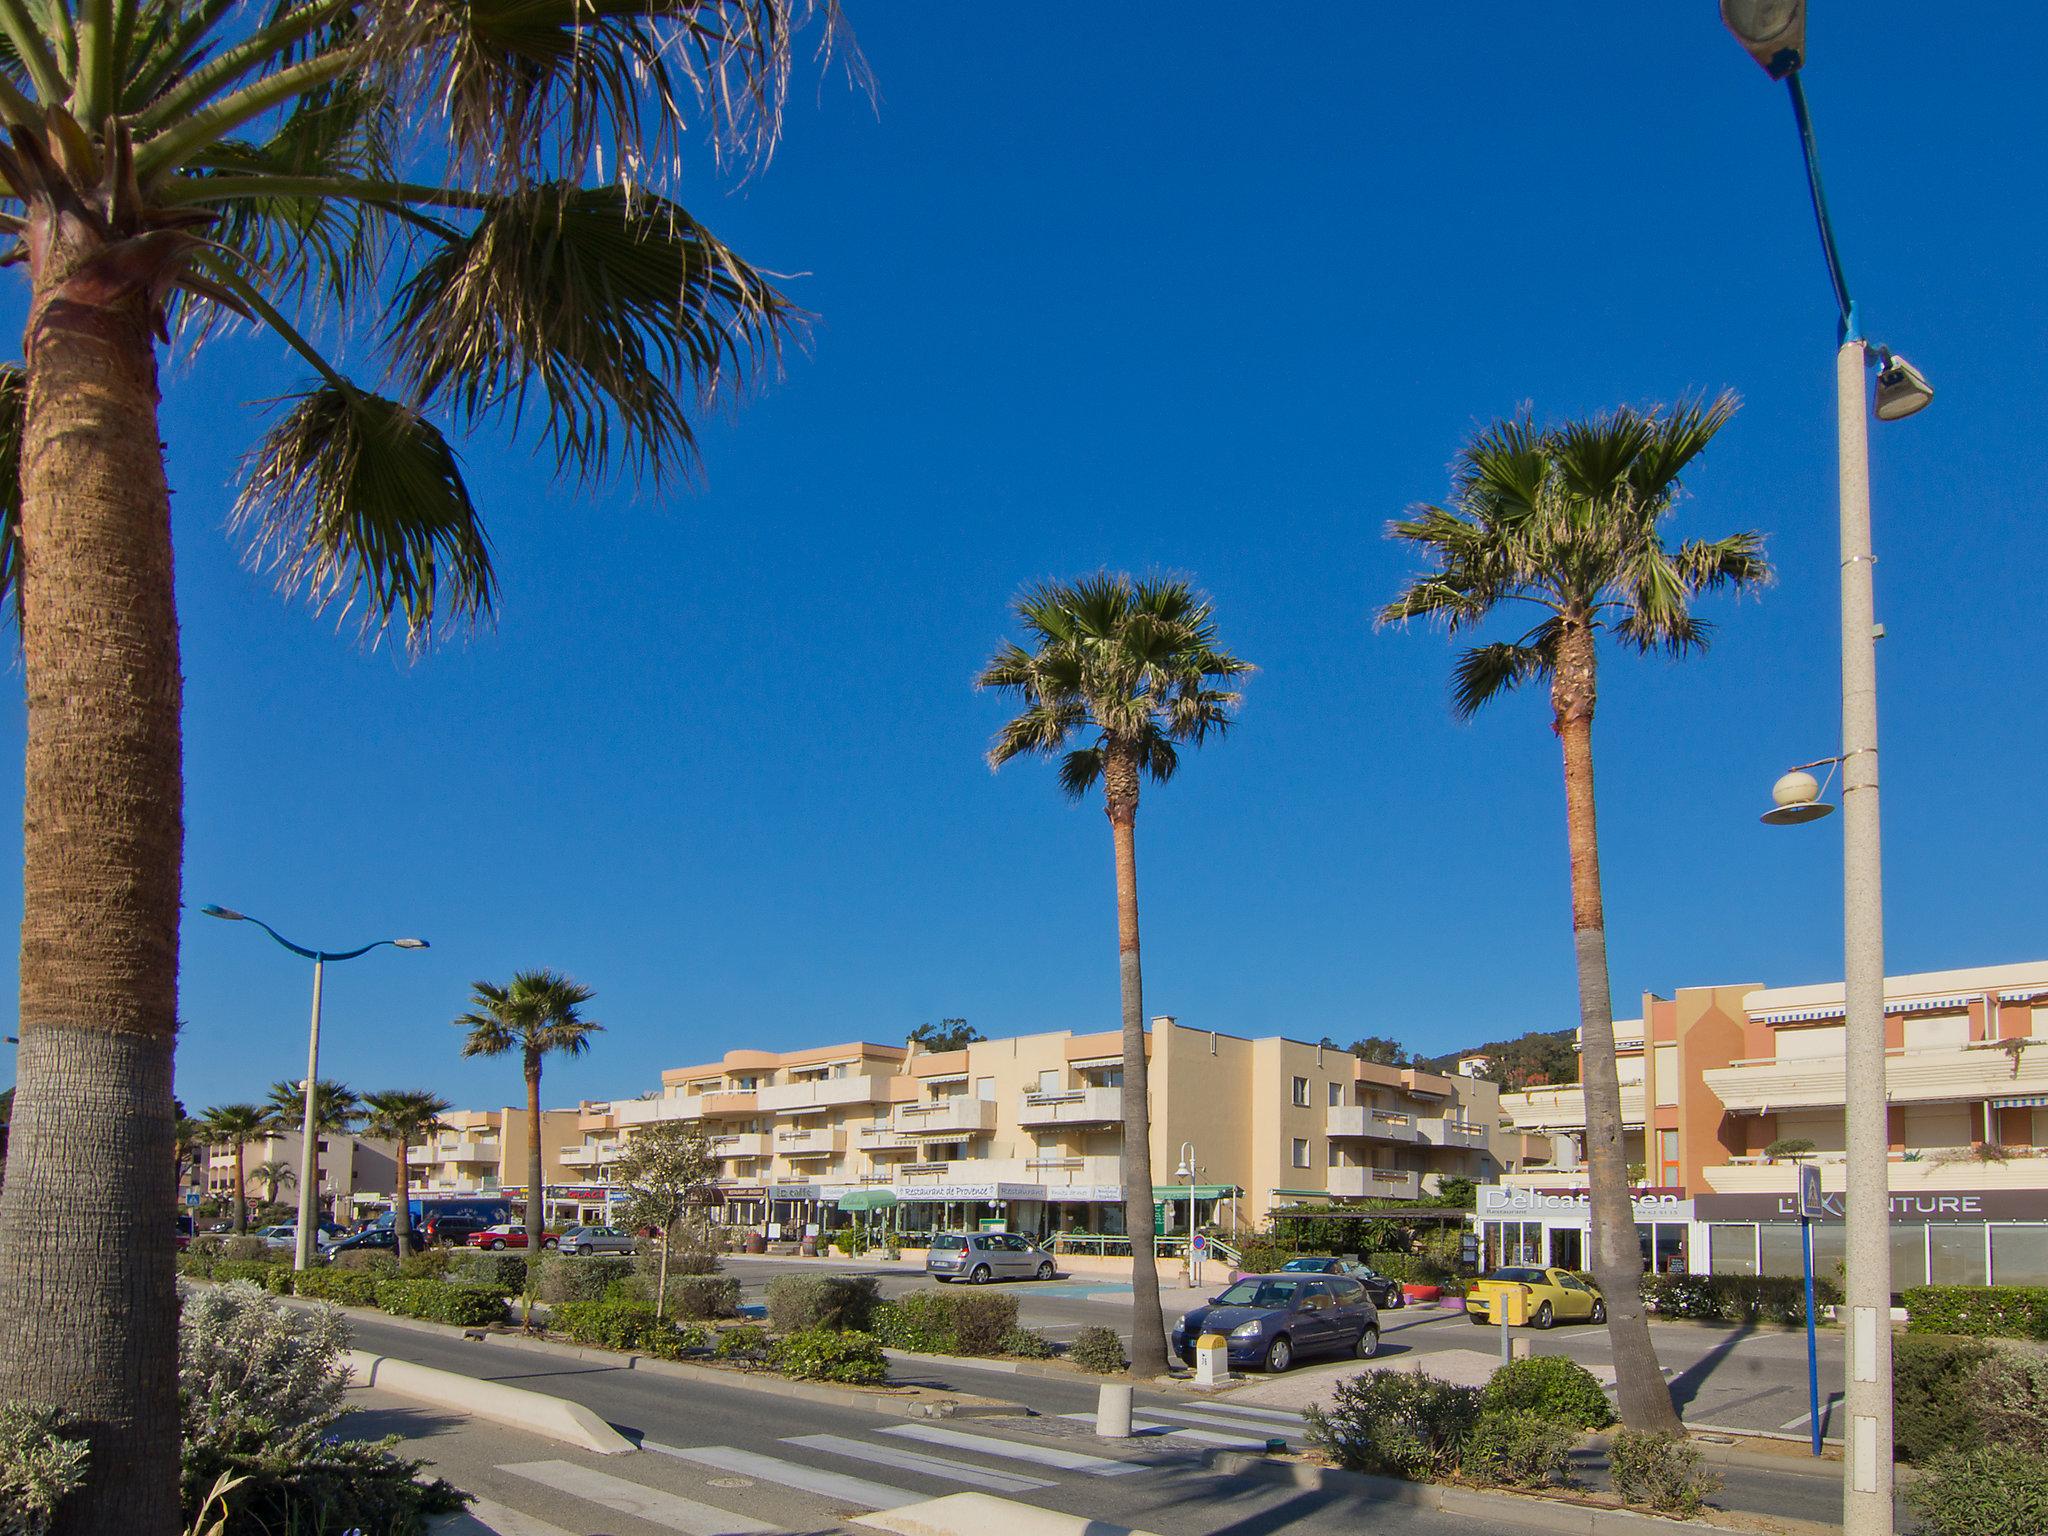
1545 1056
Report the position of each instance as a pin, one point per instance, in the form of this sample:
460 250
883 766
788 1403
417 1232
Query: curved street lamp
309 1136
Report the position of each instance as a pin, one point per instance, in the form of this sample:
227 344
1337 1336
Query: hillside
1541 1056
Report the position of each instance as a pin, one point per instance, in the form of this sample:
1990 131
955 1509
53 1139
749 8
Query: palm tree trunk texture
88 1300
1148 1331
536 1192
241 1192
1642 1396
401 1208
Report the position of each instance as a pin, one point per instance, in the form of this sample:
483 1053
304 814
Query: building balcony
1932 1170
591 1154
1987 1070
954 1117
1071 1106
1442 1131
820 1142
1361 1120
459 1149
883 1138
740 1144
1563 1108
1375 1183
821 1093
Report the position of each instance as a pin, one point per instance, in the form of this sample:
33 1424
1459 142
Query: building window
1301 1143
1336 1094
1301 1099
1667 1154
985 1089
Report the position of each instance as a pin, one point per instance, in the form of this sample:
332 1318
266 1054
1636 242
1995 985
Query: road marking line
484 1515
649 1504
917 1461
1219 1421
1174 1432
1249 1412
789 1474
1805 1418
1043 1455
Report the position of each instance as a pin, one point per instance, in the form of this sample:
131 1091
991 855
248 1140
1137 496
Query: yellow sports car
1550 1296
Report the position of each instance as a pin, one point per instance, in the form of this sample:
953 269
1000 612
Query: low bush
743 1341
701 1298
1551 1385
247 1249
1262 1255
1395 1423
348 1287
1996 1490
427 1264
1026 1345
1659 1470
797 1303
830 1354
1735 1298
558 1279
982 1319
275 1278
625 1325
1410 1268
1983 1311
916 1322
505 1272
41 1464
945 1322
369 1260
2011 1395
1518 1448
1099 1350
442 1301
1932 1399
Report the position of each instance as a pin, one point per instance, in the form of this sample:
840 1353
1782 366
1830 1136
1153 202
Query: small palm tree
190 1144
336 1109
405 1116
237 1125
273 1174
1565 520
1118 676
537 1014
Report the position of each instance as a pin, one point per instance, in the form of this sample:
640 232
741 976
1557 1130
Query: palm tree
336 1109
274 1174
237 1125
1120 674
476 202
1566 519
405 1116
190 1142
535 1015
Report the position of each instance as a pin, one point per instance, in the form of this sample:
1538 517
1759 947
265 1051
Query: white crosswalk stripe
1237 1442
485 1515
1246 1411
916 1461
1014 1450
1211 1420
789 1474
649 1504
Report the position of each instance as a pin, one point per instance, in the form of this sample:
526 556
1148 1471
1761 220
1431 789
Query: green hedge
698 1298
1559 1389
1735 1298
562 1278
1981 1311
830 1354
1998 1490
946 1322
797 1303
275 1278
1934 1405
348 1287
442 1301
505 1272
626 1325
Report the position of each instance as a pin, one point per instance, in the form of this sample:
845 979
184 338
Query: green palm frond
336 1106
621 308
1484 672
1080 771
537 1012
355 498
405 1115
13 406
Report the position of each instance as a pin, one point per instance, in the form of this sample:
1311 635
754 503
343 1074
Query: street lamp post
1187 1170
309 1135
1774 33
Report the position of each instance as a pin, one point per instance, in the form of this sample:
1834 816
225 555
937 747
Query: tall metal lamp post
1187 1170
309 1134
1774 33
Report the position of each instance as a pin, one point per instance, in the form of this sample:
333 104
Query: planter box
1421 1292
1451 1303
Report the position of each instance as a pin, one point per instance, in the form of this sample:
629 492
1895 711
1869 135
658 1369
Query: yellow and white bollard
1212 1360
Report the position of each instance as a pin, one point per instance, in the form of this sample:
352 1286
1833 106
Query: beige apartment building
354 1170
484 1152
1713 1078
1027 1130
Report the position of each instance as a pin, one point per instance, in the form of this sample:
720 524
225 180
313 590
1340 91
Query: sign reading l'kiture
1917 1205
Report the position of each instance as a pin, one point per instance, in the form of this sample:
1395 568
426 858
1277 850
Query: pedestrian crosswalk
883 1468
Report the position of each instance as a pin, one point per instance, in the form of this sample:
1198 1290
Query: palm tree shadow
1685 1386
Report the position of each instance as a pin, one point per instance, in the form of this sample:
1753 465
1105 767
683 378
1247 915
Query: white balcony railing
1349 1120
1929 1170
958 1116
1446 1132
1377 1183
884 1138
821 1093
812 1143
1072 1106
1987 1069
740 1144
1563 1108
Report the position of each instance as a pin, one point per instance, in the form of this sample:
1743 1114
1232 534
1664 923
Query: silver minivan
979 1257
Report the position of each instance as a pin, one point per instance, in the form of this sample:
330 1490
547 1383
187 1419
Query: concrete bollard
1212 1360
1522 1346
1113 1412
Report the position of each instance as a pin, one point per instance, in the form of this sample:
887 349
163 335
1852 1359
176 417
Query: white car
596 1240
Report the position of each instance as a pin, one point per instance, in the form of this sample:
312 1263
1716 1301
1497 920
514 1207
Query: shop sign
1919 1205
1648 1204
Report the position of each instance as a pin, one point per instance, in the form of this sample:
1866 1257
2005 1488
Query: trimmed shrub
559 1279
1395 1423
366 1259
625 1325
1262 1255
251 1249
275 1278
1410 1268
982 1319
916 1323
1932 1401
442 1301
1736 1298
1026 1345
1518 1448
1997 1490
2011 1395
348 1287
945 1322
1551 1385
1099 1350
505 1272
1659 1470
830 1354
700 1298
797 1303
428 1263
1982 1311
743 1341
41 1465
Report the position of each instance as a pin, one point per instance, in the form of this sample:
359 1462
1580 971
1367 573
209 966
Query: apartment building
354 1170
484 1152
1714 1078
1028 1130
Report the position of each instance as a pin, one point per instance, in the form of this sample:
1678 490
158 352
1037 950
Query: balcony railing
821 1093
884 1138
813 1143
1446 1132
1380 1183
958 1116
1349 1120
1929 1170
1072 1106
1986 1069
740 1144
1563 1108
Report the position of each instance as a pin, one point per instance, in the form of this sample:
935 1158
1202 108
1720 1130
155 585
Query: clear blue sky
1168 289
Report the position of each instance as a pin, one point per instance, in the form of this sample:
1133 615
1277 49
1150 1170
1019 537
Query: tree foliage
946 1035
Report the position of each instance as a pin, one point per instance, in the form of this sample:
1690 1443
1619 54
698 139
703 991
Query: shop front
1953 1237
1037 1211
1550 1227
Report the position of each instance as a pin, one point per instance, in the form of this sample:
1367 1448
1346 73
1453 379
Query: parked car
1553 1296
505 1234
185 1233
596 1240
979 1257
286 1234
376 1240
1269 1321
1386 1294
454 1221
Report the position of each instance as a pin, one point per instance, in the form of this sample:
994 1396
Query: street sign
191 1197
1201 1244
1810 1206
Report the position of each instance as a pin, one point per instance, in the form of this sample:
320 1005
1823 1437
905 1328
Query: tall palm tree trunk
241 1192
401 1209
1148 1330
88 1300
536 1192
1643 1397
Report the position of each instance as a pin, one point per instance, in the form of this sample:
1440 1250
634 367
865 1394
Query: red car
509 1235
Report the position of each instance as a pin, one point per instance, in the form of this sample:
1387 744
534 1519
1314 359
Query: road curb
1492 1511
976 1514
515 1407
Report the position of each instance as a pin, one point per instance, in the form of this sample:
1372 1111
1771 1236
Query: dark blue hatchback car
1268 1321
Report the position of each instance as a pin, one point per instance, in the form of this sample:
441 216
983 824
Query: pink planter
1421 1292
1451 1303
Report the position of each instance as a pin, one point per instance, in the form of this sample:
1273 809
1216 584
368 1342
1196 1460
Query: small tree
1380 1050
667 1173
946 1035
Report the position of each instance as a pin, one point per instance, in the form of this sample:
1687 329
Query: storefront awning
867 1200
1199 1191
2024 1101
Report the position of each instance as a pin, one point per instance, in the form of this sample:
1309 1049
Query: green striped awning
866 1200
